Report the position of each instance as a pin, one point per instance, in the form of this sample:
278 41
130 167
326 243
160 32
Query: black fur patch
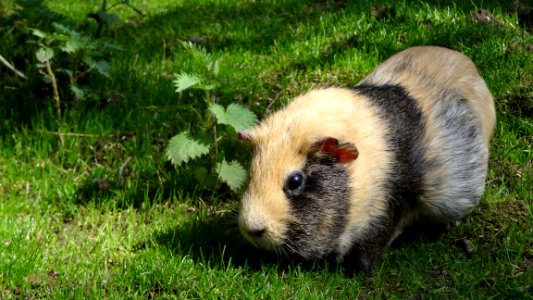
404 118
321 210
405 140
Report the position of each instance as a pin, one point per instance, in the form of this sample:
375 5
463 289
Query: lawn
91 208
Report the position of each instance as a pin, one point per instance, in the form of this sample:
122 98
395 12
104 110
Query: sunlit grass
102 215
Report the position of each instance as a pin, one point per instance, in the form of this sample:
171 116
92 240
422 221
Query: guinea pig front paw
357 262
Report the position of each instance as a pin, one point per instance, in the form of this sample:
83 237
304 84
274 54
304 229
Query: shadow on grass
215 241
136 191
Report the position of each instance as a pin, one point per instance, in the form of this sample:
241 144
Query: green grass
104 216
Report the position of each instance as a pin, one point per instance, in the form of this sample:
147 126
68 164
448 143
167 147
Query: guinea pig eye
294 183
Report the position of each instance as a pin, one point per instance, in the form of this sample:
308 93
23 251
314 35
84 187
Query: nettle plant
75 54
217 134
72 53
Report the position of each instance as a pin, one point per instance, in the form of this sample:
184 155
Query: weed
183 147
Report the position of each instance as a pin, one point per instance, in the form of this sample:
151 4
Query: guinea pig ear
245 137
345 152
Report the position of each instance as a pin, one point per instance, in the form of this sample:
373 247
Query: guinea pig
340 172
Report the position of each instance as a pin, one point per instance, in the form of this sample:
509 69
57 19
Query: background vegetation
91 208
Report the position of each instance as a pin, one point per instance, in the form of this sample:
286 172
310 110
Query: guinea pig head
297 200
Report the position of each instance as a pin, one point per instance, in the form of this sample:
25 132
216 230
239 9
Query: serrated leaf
236 115
219 112
185 81
198 52
182 148
64 29
108 18
232 173
79 93
102 66
71 46
39 33
44 54
241 117
214 66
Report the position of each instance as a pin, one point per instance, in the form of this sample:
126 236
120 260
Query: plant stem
68 133
212 124
57 100
98 19
215 140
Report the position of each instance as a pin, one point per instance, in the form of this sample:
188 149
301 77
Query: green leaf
214 66
39 33
219 112
185 81
79 93
236 115
64 29
102 66
71 46
182 148
44 54
232 173
199 53
108 18
65 34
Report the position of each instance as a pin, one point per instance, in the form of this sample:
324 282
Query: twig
68 133
121 169
11 67
57 101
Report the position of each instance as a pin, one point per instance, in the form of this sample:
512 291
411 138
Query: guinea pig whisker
291 247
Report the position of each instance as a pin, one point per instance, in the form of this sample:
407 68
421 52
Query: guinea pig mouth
265 240
260 239
267 245
282 247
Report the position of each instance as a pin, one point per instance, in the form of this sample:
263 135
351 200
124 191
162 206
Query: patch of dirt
520 100
416 296
383 12
495 220
528 262
37 280
322 6
485 17
505 170
465 245
439 278
514 47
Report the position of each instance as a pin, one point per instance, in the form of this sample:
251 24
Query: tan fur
423 81
425 72
281 143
